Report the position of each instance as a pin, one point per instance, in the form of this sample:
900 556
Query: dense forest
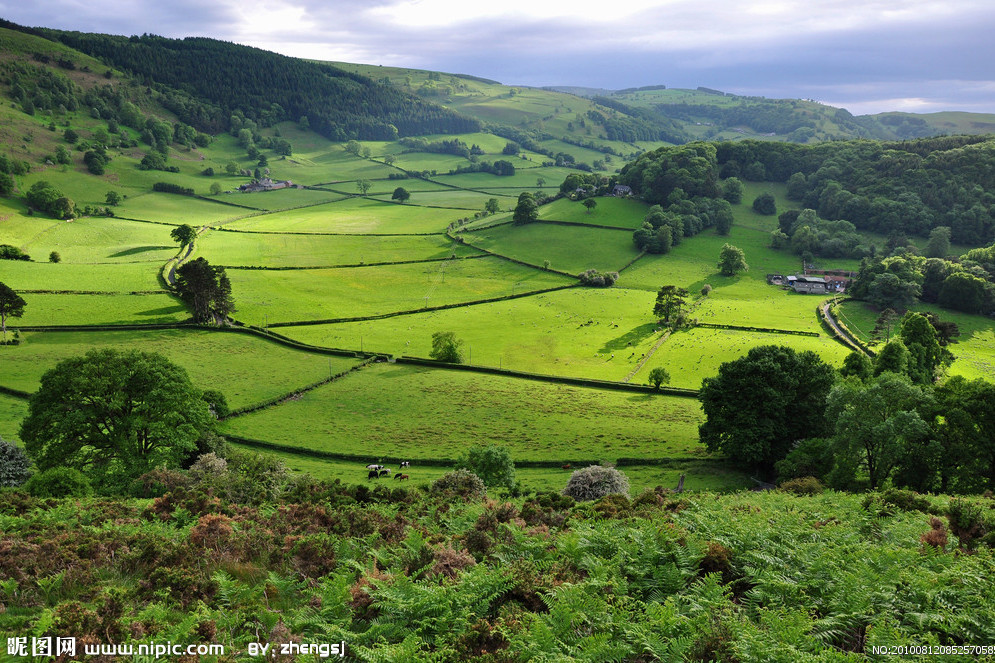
221 78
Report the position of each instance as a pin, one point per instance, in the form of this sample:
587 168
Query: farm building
265 184
621 191
808 284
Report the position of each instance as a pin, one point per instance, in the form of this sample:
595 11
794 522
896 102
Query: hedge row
766 330
297 392
583 225
124 327
291 343
361 264
94 292
323 234
442 307
558 379
16 393
632 262
225 202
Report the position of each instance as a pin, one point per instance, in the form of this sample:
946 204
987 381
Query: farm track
841 335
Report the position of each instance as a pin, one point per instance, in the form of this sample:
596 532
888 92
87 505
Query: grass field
244 368
433 414
114 309
284 250
21 275
973 350
567 248
620 212
571 332
360 291
176 210
101 240
12 411
690 356
353 216
466 202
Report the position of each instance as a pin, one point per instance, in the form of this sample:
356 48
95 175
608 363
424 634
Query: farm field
122 277
320 294
568 332
95 240
246 369
567 248
690 356
12 411
749 303
286 250
973 350
462 201
618 212
175 210
111 309
431 414
353 216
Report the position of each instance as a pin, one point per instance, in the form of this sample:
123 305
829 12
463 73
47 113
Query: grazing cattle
373 475
373 466
405 463
567 466
385 472
401 477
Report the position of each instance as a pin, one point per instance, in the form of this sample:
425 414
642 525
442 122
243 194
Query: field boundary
427 309
554 222
319 234
361 264
16 393
764 330
839 332
524 464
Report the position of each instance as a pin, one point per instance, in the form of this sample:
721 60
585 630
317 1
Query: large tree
11 305
446 347
206 289
758 406
732 260
671 305
183 234
526 211
114 415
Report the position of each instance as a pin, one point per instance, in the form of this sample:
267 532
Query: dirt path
840 334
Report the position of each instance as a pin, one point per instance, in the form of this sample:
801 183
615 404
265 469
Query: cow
405 463
385 472
401 477
373 466
373 474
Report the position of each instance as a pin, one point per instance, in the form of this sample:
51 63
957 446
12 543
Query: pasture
425 413
121 277
12 411
103 240
619 212
353 216
176 210
111 309
320 294
285 250
246 369
567 248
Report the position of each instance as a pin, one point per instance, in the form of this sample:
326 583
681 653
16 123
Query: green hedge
765 330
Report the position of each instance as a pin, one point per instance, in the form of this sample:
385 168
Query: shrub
595 482
217 402
803 486
492 464
937 535
967 522
59 482
463 483
706 290
54 256
208 466
15 468
596 279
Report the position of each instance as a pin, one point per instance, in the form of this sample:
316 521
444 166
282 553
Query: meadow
118 277
433 414
619 212
109 309
246 369
97 240
321 294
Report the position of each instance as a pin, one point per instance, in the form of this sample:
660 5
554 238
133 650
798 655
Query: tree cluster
206 289
664 228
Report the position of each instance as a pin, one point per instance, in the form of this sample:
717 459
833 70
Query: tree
184 234
540 182
732 260
15 467
113 198
215 188
939 242
493 464
590 204
526 211
659 376
206 289
965 292
893 358
446 347
884 323
7 185
400 194
732 190
888 290
759 405
765 204
363 186
303 123
232 168
11 306
671 305
492 206
925 353
857 365
114 415
54 257
389 159
353 147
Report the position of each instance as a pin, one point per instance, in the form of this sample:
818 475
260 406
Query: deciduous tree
446 347
732 260
11 306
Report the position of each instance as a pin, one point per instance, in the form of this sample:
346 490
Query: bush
596 481
492 464
596 279
803 486
15 468
54 256
462 483
208 466
59 482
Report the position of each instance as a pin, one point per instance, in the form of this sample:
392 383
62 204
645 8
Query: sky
867 56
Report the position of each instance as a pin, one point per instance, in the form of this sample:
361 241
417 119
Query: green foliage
114 414
54 257
43 196
732 190
596 481
857 364
401 195
732 260
598 279
184 234
526 211
217 402
671 306
206 289
446 347
59 482
745 404
690 169
15 467
802 486
493 464
11 306
765 204
658 376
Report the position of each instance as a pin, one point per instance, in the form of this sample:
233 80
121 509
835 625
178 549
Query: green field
465 202
690 356
103 240
571 332
320 294
123 277
567 248
112 309
619 212
434 414
285 250
353 216
12 411
973 350
175 210
246 369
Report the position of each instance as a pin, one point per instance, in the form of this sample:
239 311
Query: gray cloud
871 55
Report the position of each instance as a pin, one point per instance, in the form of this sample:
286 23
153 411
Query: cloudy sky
865 55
